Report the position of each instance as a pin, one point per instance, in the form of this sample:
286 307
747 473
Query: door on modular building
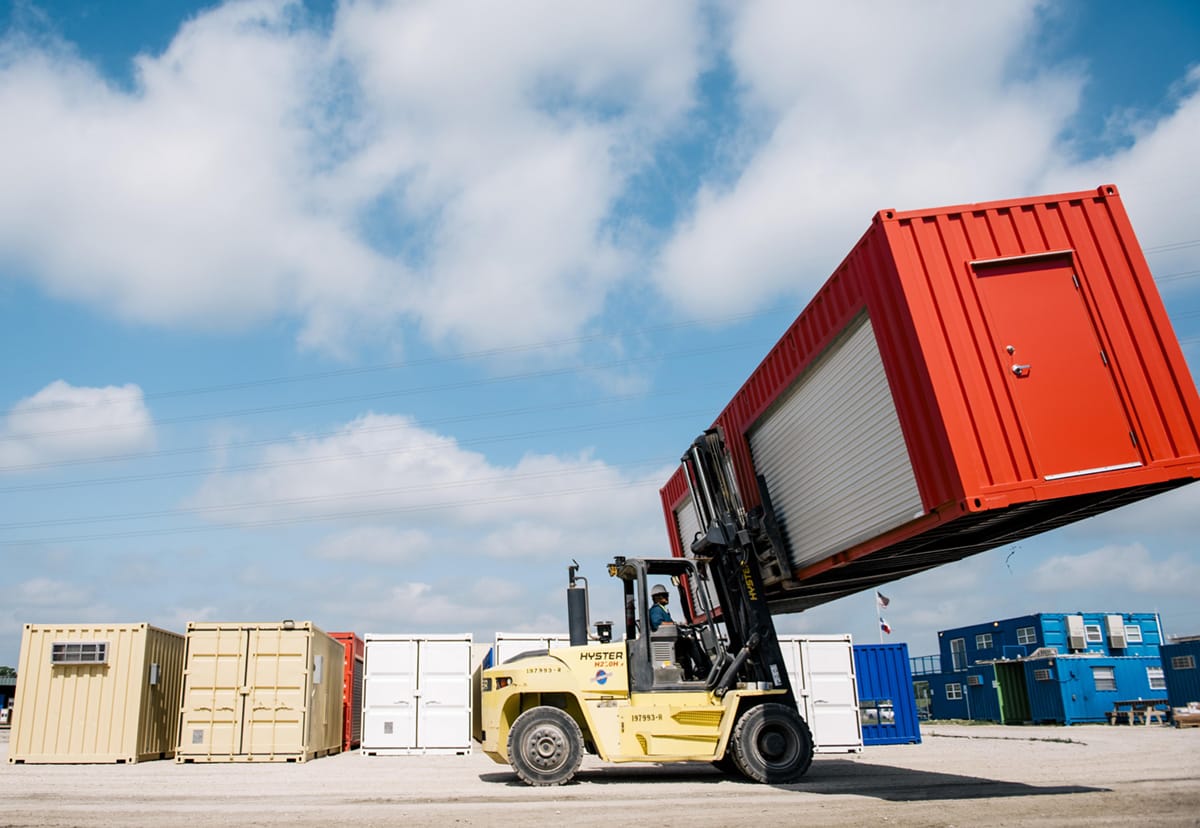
1013 693
1056 366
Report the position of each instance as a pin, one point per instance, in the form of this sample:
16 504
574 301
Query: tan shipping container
96 693
260 693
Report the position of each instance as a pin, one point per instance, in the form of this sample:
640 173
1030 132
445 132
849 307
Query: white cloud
416 488
1121 569
862 107
64 422
378 544
448 163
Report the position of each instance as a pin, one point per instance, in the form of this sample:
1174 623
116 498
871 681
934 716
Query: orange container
967 377
352 688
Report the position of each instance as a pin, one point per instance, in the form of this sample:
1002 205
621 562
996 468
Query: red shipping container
968 376
352 689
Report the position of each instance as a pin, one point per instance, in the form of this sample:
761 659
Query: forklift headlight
503 682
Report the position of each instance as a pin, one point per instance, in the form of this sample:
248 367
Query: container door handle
1021 370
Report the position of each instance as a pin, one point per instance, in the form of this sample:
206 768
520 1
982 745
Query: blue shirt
658 614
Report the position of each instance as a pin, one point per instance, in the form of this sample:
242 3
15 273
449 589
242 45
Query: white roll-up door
832 452
687 524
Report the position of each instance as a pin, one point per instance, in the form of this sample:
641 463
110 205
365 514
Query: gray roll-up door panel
687 523
832 452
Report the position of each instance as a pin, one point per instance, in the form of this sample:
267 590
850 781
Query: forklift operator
659 612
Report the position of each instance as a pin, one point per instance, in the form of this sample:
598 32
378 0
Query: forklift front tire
545 746
772 744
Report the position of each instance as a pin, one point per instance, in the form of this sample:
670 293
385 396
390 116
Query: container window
1041 675
79 652
983 641
1157 679
1184 662
877 712
1026 635
1093 633
958 654
954 691
1133 633
1105 678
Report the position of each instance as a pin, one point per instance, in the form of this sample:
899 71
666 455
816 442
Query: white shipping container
821 669
416 694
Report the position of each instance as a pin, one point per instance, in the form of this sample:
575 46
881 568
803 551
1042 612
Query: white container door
390 695
831 703
444 704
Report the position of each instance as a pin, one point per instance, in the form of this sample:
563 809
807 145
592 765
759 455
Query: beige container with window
260 693
96 693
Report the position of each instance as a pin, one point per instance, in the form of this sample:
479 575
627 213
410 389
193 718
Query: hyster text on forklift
714 689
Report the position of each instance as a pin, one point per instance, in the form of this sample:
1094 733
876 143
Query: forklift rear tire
772 744
545 746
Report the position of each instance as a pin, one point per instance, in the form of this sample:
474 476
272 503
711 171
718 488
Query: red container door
1056 368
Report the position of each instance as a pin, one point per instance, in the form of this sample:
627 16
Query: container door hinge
1075 279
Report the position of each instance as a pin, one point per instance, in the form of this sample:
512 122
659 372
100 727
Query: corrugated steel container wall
1181 669
260 693
417 694
1092 408
1066 692
352 688
821 671
97 712
1043 683
883 673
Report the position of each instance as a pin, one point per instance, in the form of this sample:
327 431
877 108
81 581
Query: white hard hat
658 589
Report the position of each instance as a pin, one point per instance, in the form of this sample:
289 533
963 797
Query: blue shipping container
1179 662
887 703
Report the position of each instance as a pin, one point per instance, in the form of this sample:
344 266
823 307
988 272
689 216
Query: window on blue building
1026 635
1105 678
1184 662
1133 633
983 641
1093 633
954 691
1157 680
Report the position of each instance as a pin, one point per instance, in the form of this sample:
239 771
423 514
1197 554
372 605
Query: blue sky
379 314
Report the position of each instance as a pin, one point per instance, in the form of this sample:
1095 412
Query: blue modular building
887 706
1049 667
1179 661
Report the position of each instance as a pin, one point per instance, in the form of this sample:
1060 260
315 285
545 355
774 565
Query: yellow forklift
713 689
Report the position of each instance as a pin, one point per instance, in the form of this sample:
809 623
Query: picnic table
1130 710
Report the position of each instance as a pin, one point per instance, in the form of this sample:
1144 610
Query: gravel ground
959 775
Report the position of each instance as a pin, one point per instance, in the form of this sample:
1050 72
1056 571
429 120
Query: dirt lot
959 775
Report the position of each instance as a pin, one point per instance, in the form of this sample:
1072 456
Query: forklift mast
734 545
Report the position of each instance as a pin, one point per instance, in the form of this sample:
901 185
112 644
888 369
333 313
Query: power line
432 507
318 435
422 362
390 451
330 498
428 389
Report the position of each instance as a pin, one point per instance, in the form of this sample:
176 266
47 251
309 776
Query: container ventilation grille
79 652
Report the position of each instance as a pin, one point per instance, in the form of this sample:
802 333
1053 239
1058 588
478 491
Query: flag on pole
885 626
882 599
